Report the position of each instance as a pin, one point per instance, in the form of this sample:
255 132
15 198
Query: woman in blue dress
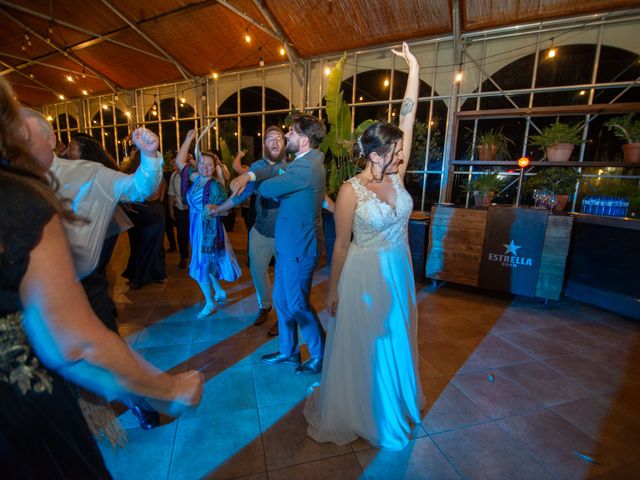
212 258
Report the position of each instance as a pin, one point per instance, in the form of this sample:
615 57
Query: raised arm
181 156
69 338
237 165
409 104
344 211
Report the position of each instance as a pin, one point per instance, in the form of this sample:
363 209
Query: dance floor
515 389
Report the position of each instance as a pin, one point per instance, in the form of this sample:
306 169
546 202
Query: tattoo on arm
407 106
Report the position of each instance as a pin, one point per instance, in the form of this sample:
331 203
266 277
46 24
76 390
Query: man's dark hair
311 127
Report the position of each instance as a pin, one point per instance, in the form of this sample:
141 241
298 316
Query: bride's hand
406 54
331 302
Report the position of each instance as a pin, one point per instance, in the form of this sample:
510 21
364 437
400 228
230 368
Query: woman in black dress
47 328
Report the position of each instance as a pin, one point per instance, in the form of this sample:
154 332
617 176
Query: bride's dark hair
378 138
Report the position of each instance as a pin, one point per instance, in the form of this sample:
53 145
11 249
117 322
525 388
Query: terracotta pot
561 202
560 152
482 199
487 152
631 152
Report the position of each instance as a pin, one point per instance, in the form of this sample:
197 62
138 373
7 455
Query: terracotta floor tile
451 410
544 384
421 460
284 432
558 444
585 372
498 398
486 452
535 344
344 467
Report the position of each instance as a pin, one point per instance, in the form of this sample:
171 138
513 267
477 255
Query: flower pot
561 203
560 152
487 152
631 152
482 199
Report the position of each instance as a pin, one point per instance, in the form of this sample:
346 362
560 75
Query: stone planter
560 152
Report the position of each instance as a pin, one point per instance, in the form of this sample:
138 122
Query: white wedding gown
370 385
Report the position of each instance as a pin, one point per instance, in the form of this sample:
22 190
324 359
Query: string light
458 77
386 82
105 106
69 77
127 114
583 92
215 76
50 118
327 71
282 51
61 97
261 61
361 99
552 51
84 92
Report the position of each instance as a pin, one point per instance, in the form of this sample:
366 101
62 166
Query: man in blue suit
298 236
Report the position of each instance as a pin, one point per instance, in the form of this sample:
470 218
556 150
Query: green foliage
557 133
561 181
225 152
490 182
339 139
625 128
497 138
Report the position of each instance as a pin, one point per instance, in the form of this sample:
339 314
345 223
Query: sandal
208 309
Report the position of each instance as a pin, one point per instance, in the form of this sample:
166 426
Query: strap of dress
361 191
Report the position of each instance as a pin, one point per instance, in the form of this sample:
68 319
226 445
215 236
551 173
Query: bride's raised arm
409 104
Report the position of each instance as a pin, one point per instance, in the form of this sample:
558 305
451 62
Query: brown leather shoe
262 316
273 331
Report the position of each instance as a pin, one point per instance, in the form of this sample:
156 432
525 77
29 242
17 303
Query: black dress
42 431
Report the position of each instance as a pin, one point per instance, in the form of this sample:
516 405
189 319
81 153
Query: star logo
511 248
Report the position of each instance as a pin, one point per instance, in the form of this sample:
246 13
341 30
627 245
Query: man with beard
261 235
298 236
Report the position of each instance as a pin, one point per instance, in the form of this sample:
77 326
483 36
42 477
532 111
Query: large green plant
490 182
561 181
339 139
558 133
625 128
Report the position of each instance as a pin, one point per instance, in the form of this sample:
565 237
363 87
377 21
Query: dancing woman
370 384
212 258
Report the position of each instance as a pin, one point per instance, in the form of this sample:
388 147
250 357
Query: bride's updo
379 138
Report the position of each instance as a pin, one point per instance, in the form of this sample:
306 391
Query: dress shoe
262 316
147 417
183 264
277 358
273 331
310 367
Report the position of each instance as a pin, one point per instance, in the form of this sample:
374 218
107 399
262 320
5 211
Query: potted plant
484 187
337 146
558 139
629 130
561 181
491 143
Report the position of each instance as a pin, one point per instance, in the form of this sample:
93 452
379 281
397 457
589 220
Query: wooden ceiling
107 45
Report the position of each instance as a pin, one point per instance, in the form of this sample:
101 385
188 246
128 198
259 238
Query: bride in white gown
370 385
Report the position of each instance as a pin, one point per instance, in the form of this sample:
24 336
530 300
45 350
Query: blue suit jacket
300 190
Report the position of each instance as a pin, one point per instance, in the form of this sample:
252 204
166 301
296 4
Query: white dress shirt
94 191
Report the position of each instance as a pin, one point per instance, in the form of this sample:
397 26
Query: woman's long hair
379 138
91 150
16 162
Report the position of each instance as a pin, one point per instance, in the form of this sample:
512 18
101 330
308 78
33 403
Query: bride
370 384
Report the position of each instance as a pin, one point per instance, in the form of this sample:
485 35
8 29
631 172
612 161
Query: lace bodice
376 224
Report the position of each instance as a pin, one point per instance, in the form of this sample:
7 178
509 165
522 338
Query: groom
298 235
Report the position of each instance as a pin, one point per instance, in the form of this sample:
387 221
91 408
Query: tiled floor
515 390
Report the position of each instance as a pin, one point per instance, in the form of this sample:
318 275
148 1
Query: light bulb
61 97
69 78
282 51
215 76
50 118
84 92
247 38
386 82
327 71
552 53
458 77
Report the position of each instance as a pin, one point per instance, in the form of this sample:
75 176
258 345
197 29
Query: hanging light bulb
50 118
105 106
61 97
552 51
183 100
458 77
261 61
69 77
282 51
327 71
85 93
247 38
84 75
215 76
386 82
23 47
